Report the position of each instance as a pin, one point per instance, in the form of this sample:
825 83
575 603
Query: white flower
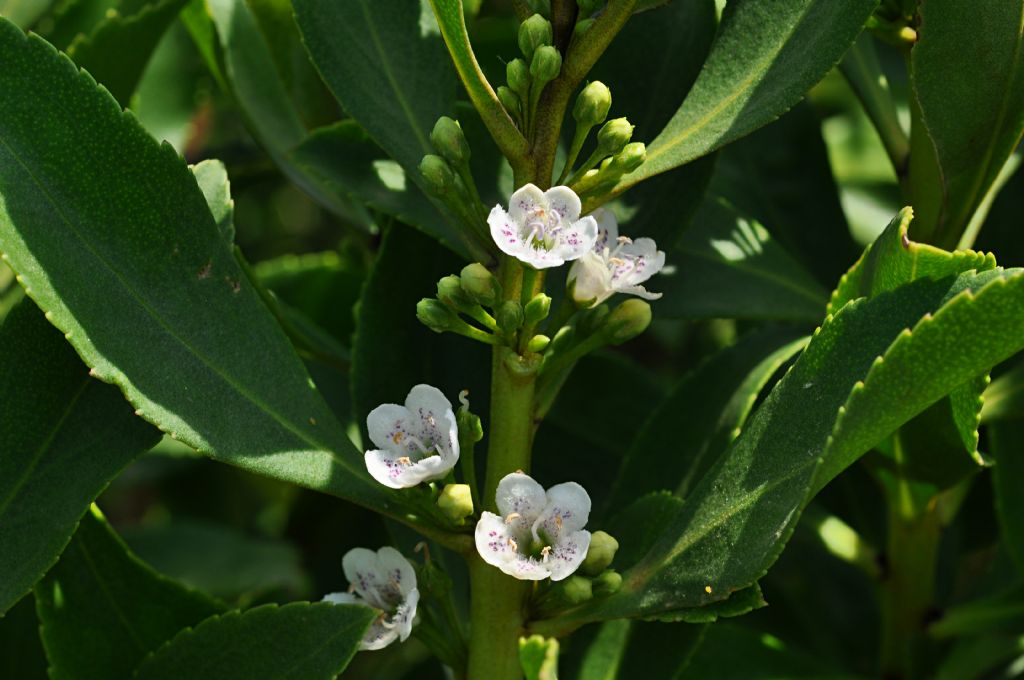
615 265
386 581
418 442
538 534
543 228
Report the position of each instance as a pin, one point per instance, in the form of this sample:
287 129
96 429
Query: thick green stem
496 610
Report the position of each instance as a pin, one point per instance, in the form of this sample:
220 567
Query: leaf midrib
302 436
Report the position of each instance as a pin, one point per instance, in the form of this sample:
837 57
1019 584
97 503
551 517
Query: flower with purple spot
543 228
617 264
539 534
418 442
386 581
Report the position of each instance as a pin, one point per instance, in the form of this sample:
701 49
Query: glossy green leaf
117 51
716 397
1006 478
250 74
767 55
21 650
781 176
386 63
300 639
103 610
967 77
113 238
65 437
728 265
219 560
212 178
862 376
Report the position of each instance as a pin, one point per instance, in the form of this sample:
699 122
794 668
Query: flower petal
401 577
388 425
378 636
492 540
565 202
386 468
524 202
406 614
567 511
593 279
577 239
344 598
640 292
505 232
645 260
538 258
363 572
434 418
607 229
568 554
518 492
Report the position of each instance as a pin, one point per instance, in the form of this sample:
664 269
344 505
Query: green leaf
767 54
112 236
781 176
385 62
300 639
103 610
24 13
1004 398
251 76
219 560
65 437
1005 439
212 178
636 649
717 397
117 50
350 163
21 650
975 657
1003 612
967 78
862 376
165 99
728 265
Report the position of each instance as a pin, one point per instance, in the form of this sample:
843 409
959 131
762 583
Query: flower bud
592 320
470 429
614 135
546 64
533 33
576 589
607 583
627 321
629 159
481 285
600 554
456 502
437 174
537 309
435 315
509 100
592 105
587 182
449 141
449 291
538 343
581 28
517 73
510 316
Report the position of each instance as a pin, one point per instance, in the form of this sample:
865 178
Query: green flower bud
577 589
510 316
508 99
449 291
629 159
600 554
592 105
481 285
449 141
628 320
587 182
435 315
533 33
546 64
607 583
581 28
438 174
538 343
456 502
592 320
517 73
614 135
537 309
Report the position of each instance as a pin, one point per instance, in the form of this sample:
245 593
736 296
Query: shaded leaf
103 610
299 639
21 650
65 436
113 238
1007 474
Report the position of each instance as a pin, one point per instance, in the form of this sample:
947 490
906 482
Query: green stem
497 601
578 138
474 333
